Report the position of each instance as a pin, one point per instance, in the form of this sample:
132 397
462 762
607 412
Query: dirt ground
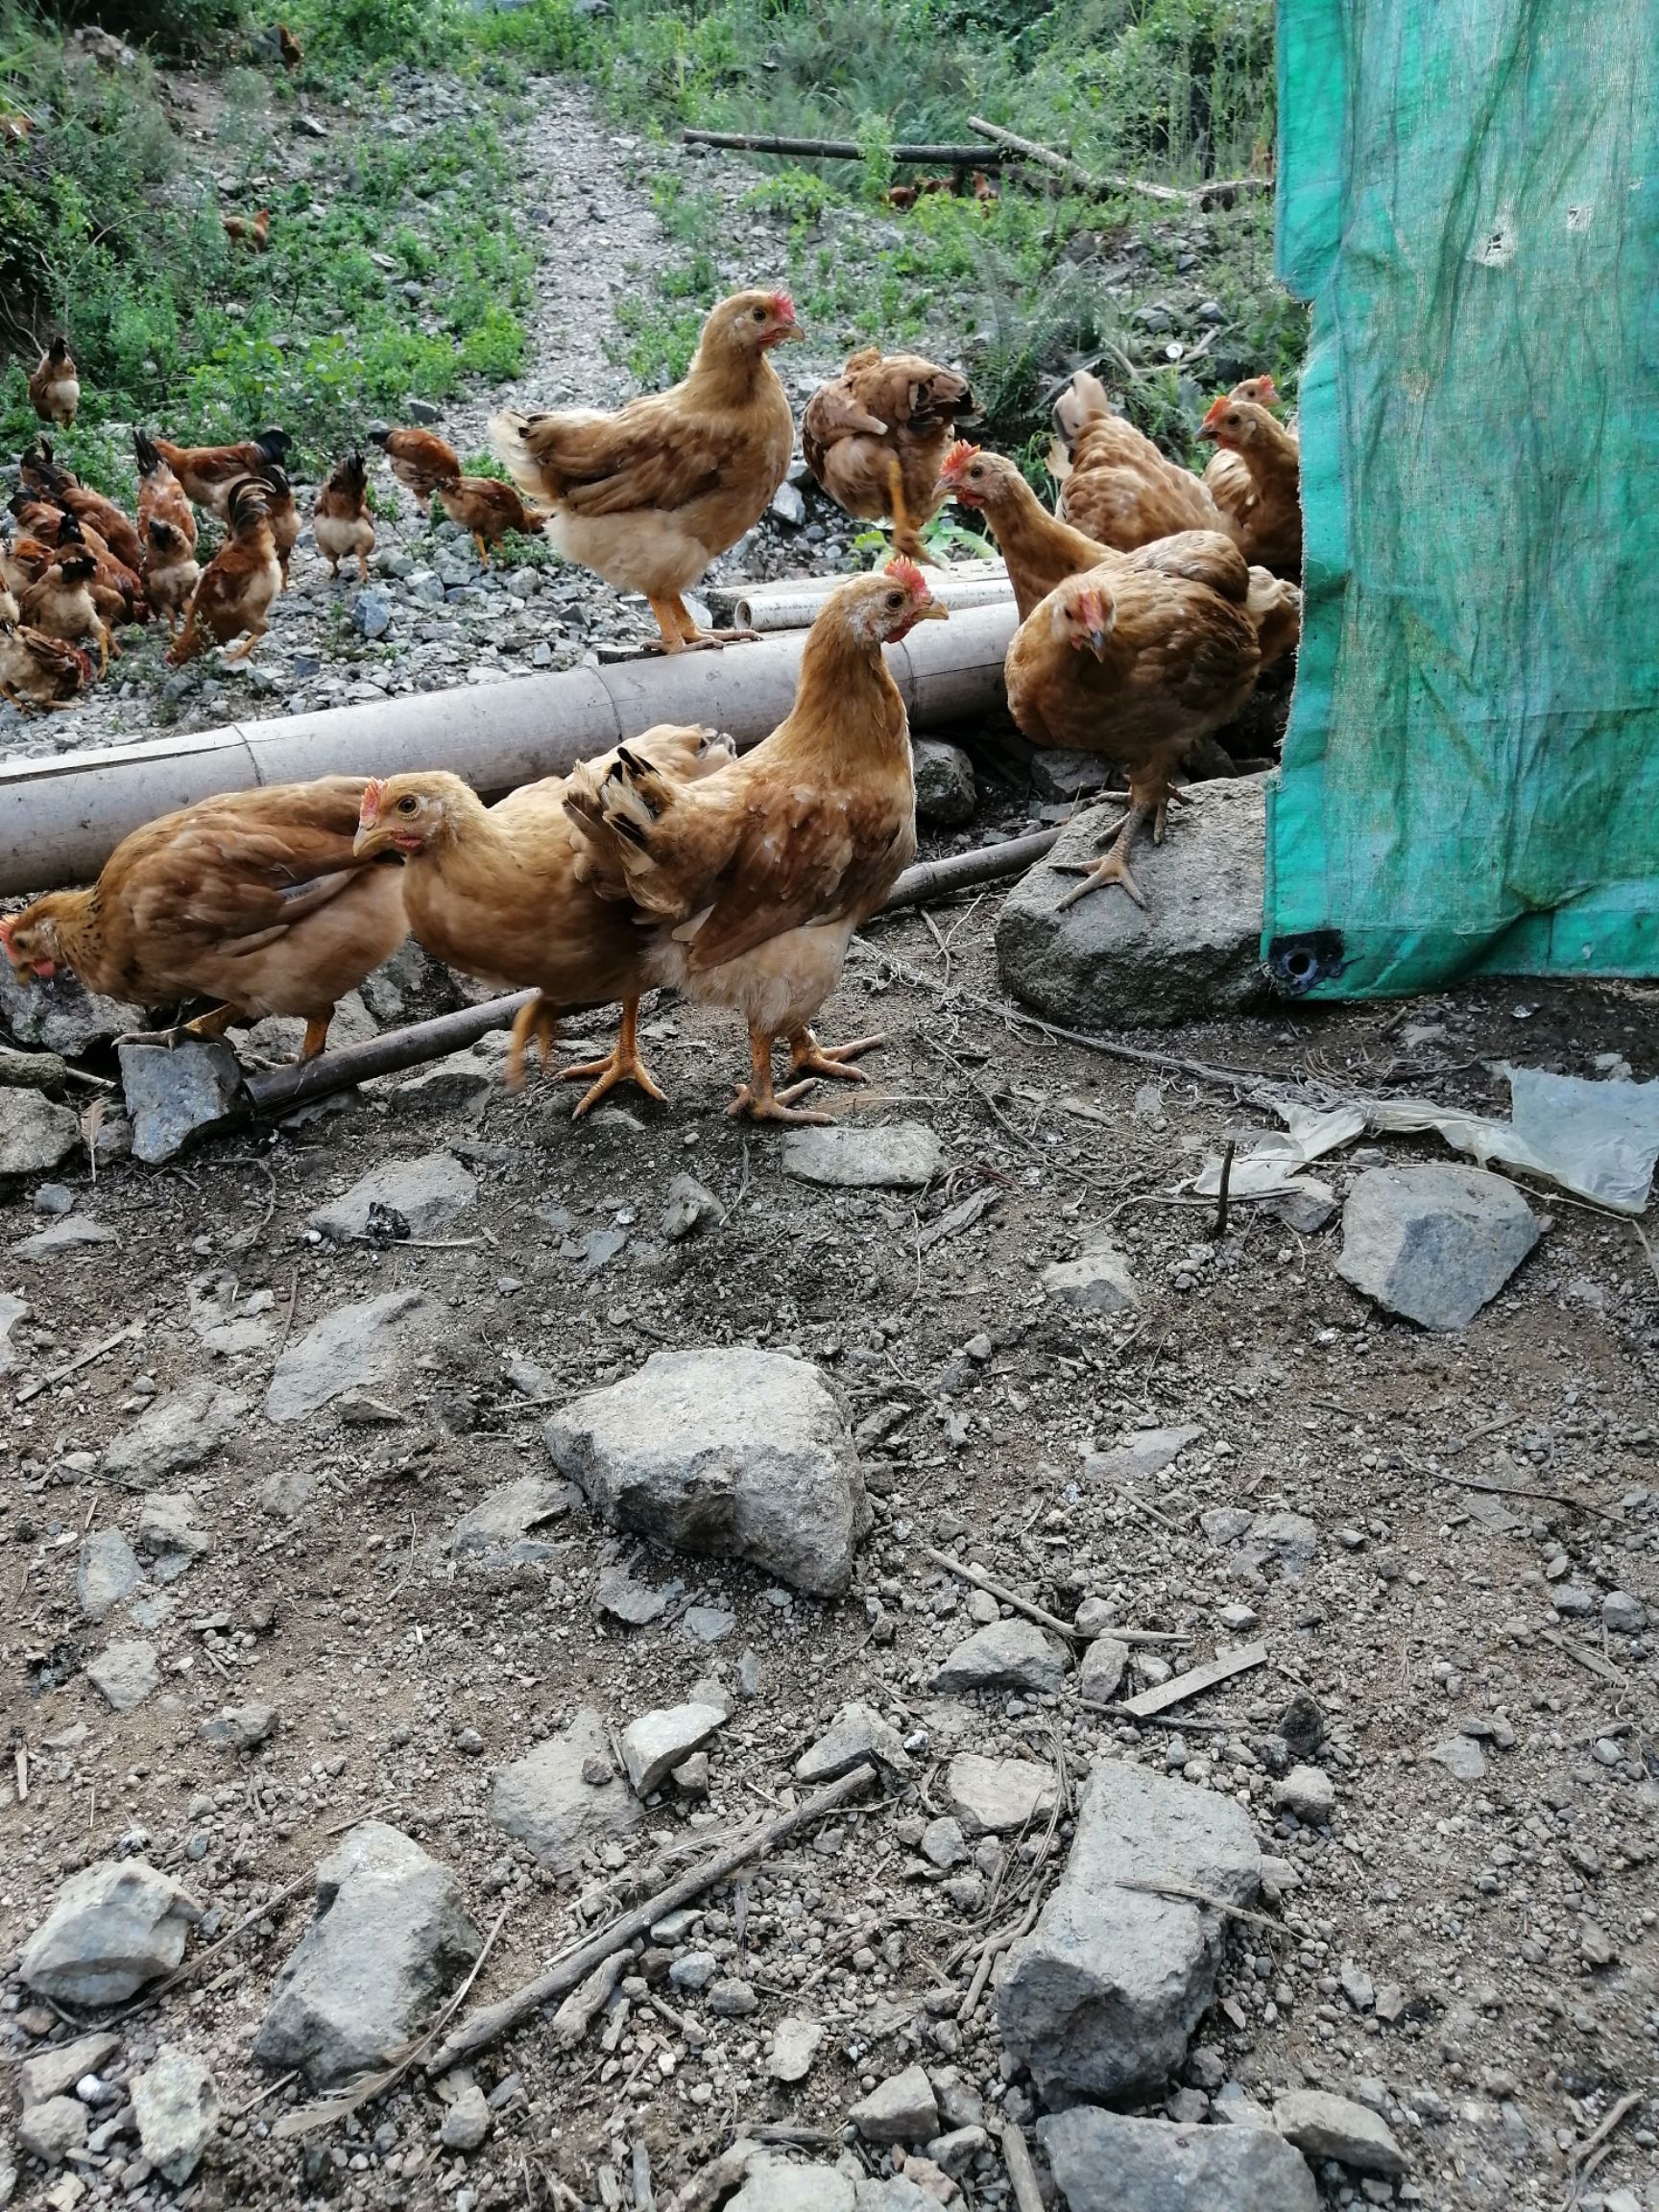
1506 1924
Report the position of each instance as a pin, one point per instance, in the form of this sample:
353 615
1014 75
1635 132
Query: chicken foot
622 1063
809 1059
535 1026
757 1098
1113 865
247 645
203 1028
906 537
681 635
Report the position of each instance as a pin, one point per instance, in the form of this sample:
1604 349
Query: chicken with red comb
1256 478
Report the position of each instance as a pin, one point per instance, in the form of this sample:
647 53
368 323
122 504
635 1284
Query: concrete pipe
60 819
794 605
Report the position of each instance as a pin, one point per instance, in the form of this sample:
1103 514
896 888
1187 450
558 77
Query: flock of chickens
1149 604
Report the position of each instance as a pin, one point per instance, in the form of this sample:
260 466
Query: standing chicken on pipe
756 877
648 496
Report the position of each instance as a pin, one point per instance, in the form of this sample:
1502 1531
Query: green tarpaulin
1469 198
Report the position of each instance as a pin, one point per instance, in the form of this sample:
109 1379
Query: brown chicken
420 459
289 47
54 387
117 590
167 526
340 521
875 438
255 899
43 479
162 496
753 880
60 602
648 496
36 670
237 586
1115 484
208 473
251 230
488 509
512 894
282 514
10 610
1139 666
1256 479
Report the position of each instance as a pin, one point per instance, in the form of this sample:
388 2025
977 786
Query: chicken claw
758 1101
622 1063
535 1023
1113 865
681 634
808 1058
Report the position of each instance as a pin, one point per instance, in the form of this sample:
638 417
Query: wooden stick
133 1329
992 1950
844 149
1022 2173
1152 1888
1592 1662
1067 1628
1615 2119
1224 189
1206 1677
494 2021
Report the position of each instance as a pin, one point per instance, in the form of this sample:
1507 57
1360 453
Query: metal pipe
60 819
275 1090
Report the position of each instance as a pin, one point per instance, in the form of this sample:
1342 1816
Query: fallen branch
1180 1686
1190 1896
1067 1628
587 2001
494 2021
1592 1662
1022 2173
1590 2154
992 1950
133 1329
1219 191
844 149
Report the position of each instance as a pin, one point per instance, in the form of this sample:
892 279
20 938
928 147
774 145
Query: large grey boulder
1099 1999
176 2103
174 1434
1436 1242
944 787
1191 954
59 1016
1106 2163
424 1195
390 1936
738 1453
564 1794
113 1926
355 1347
176 1097
855 1156
34 1134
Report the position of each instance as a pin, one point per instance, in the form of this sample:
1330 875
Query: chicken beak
1097 643
365 841
1209 430
931 610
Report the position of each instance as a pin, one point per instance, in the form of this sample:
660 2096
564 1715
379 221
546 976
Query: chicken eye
760 313
406 806
895 599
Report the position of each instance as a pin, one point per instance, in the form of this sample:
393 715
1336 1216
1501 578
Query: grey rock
1436 1242
1191 954
1106 2163
388 1938
78 1231
108 1573
1100 1677
656 1744
175 1098
34 1134
1358 1986
1461 1757
633 1603
499 1528
545 1801
1305 1205
997 1796
741 1454
371 612
1308 1792
689 1208
53 2073
11 1311
794 2047
168 1523
943 1844
694 1971
855 1735
1101 1998
1302 1724
176 1433
354 1347
1142 1453
124 1674
1007 1655
422 411
60 1017
854 1155
733 2000
1097 1282
945 786
1291 1538
240 1727
901 2109
1326 2127
1623 1614
1057 775
788 505
53 1199
772 2184
467 2122
176 2103
426 1194
707 1623
1235 2107
51 2130
112 1927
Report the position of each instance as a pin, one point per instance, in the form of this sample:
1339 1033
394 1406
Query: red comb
1218 408
1269 396
903 570
372 791
959 458
783 307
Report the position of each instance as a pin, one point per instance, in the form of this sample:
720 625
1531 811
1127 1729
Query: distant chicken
167 528
420 459
208 473
289 47
649 495
36 670
60 602
511 894
488 509
44 478
751 883
255 899
117 590
253 230
238 584
1256 479
282 515
875 438
340 523
1136 664
1114 484
54 387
